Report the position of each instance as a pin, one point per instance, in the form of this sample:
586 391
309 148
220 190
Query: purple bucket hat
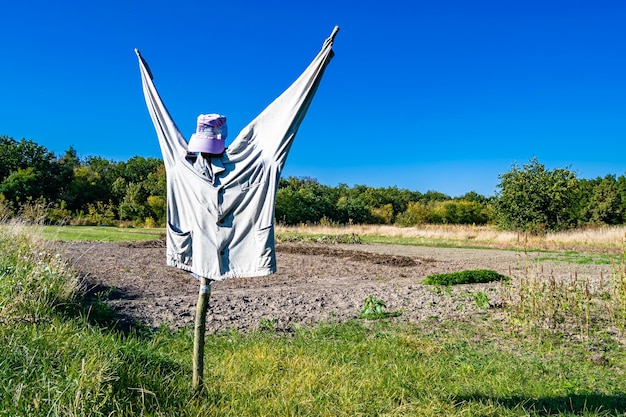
210 136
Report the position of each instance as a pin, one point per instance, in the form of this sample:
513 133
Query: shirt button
221 252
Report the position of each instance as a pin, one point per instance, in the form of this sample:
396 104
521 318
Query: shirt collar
210 166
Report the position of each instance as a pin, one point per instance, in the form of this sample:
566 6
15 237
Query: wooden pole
200 330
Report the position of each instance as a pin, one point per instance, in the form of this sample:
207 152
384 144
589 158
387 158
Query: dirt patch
351 255
315 283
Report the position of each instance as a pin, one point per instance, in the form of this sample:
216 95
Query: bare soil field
315 283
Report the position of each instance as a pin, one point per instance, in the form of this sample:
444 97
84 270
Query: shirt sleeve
274 129
171 141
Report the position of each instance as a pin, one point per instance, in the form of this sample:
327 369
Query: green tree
21 185
463 212
415 213
352 211
86 187
10 157
535 199
378 198
383 214
304 202
604 205
473 196
157 206
133 207
70 158
35 172
155 182
137 169
107 172
621 186
432 196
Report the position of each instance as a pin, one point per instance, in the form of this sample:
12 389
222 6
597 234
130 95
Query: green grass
433 242
580 258
99 233
422 241
61 358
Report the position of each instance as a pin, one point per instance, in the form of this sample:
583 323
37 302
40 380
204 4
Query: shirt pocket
179 248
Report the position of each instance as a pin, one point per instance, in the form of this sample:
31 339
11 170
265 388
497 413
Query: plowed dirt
315 283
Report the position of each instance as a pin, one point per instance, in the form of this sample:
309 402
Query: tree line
36 184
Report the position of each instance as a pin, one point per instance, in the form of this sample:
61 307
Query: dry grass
599 239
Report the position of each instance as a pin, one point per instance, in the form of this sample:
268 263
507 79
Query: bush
474 276
58 213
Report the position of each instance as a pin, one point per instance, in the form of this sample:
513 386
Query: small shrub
473 276
33 212
267 324
82 220
351 238
58 213
149 223
375 308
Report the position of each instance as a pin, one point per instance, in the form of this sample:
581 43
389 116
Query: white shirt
220 212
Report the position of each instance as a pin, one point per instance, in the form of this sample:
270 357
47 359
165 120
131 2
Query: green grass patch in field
100 233
420 241
471 276
580 258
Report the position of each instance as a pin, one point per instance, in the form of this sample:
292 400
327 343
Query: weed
617 293
465 277
442 290
267 324
437 290
375 308
570 305
99 310
481 299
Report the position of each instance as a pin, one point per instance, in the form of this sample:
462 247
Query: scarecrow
220 200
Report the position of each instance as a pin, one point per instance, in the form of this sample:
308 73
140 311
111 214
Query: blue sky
424 95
